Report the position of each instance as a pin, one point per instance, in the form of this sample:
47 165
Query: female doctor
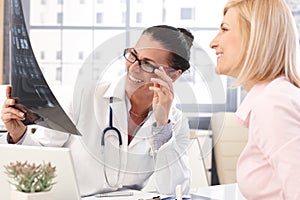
130 130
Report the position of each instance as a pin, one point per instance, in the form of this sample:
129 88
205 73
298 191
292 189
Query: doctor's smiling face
228 45
142 60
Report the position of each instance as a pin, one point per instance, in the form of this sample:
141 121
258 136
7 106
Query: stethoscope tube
106 130
111 127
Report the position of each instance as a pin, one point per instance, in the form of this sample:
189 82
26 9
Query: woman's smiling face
147 50
228 45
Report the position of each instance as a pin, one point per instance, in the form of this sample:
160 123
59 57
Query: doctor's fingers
8 103
161 73
8 91
162 83
162 94
10 113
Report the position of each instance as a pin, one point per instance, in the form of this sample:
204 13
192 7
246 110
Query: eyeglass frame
131 53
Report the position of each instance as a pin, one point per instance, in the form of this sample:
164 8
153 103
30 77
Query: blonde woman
257 45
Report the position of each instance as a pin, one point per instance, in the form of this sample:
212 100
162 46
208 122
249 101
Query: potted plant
31 181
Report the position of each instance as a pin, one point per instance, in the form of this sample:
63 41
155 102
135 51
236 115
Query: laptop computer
66 185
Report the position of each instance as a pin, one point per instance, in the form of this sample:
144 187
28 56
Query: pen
115 194
153 198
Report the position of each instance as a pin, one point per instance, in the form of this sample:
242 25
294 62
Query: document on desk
130 194
125 195
28 82
115 194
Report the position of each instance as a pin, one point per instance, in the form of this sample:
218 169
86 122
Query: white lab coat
90 113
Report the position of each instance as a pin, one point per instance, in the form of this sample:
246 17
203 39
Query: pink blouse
269 166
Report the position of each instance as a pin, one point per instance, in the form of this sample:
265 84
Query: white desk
217 192
136 196
224 192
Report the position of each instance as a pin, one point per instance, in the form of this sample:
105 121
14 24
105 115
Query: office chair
230 139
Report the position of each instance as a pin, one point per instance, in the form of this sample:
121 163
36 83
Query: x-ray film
28 82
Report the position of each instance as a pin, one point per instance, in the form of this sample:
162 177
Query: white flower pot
16 195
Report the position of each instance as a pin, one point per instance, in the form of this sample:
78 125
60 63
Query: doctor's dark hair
177 40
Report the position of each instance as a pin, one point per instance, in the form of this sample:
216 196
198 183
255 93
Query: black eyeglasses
130 56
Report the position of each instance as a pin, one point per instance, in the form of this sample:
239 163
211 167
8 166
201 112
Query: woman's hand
13 117
163 96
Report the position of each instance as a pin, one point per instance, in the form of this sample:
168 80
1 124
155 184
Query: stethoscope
112 130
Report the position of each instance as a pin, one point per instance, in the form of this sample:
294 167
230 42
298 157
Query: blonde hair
269 39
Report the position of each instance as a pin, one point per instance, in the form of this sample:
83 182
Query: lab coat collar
117 89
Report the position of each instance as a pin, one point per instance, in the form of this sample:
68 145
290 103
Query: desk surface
224 192
137 195
217 192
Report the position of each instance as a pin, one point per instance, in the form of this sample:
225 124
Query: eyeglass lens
130 56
